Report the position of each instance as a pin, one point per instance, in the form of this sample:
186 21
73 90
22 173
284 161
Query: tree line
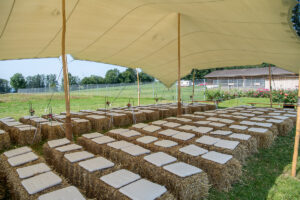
112 76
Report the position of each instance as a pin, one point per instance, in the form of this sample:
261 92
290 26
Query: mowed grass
266 174
17 105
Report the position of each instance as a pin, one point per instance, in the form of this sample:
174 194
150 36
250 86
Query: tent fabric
143 33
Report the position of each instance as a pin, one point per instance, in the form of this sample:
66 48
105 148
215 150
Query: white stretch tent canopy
143 33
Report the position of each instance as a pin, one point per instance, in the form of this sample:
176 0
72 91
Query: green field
17 105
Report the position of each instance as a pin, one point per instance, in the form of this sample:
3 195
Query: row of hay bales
32 129
18 133
214 132
54 128
99 177
220 174
27 176
185 182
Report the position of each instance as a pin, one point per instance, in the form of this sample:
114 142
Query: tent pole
270 79
178 80
296 145
193 86
68 127
138 82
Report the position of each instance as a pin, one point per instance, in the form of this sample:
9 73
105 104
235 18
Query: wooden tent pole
178 80
68 127
296 145
138 82
193 86
270 79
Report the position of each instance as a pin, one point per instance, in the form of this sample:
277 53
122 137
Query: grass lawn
17 105
267 175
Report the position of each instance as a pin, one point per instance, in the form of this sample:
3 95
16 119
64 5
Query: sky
30 67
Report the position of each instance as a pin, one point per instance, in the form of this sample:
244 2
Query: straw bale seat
28 177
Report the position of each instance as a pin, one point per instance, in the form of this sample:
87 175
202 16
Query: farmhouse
252 78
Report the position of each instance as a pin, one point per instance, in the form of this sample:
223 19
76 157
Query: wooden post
138 82
193 86
178 80
270 79
68 127
296 145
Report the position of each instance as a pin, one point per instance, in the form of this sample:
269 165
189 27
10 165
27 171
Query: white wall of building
286 83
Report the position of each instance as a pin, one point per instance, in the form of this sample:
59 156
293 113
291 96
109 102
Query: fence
154 90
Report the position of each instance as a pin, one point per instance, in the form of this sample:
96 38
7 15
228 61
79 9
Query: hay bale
263 136
80 126
36 121
26 135
98 122
248 141
80 115
221 174
4 140
234 148
191 187
26 119
14 183
77 172
3 121
136 116
193 117
124 134
89 181
53 130
151 115
9 125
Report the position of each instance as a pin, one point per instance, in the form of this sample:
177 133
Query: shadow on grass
266 175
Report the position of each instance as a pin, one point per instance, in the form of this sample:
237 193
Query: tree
4 87
37 81
145 77
73 80
51 81
112 76
296 18
128 76
199 74
93 79
17 81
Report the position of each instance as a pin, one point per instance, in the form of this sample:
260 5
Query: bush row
279 96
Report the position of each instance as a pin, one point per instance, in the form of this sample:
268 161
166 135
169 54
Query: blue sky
29 67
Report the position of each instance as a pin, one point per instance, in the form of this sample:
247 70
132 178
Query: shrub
278 96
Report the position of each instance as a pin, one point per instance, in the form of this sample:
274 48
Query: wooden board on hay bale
234 148
5 120
37 121
190 187
28 177
263 136
26 119
124 134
